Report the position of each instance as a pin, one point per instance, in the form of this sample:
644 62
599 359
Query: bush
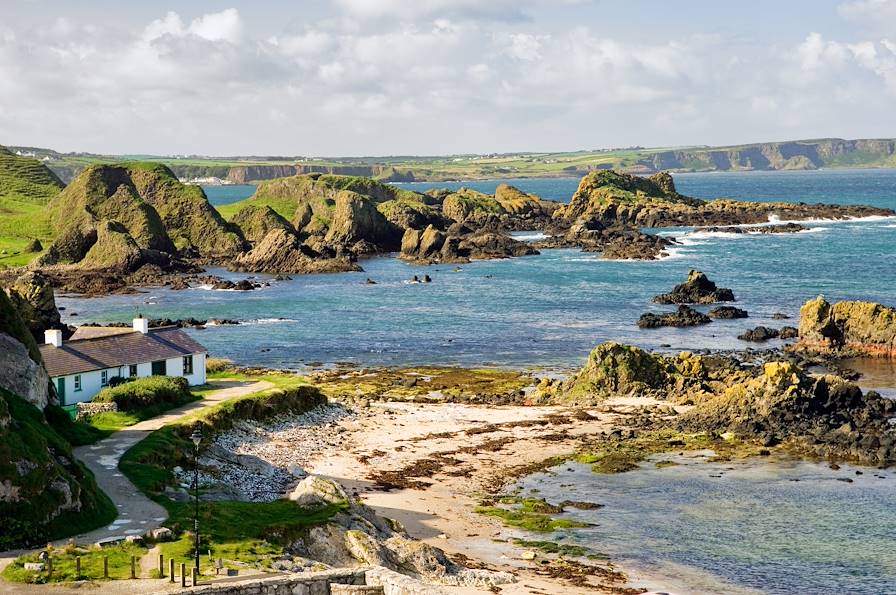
147 392
213 365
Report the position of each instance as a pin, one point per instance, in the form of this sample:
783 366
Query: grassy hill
26 186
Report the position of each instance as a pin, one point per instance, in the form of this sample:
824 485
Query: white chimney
141 325
53 337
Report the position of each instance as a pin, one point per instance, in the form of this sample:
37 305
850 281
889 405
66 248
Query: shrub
213 365
146 392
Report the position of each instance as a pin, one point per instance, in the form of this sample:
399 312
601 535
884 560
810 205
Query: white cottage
82 366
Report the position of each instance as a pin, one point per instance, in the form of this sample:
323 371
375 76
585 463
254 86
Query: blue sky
378 77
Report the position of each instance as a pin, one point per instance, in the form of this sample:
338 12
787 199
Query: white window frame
188 370
133 371
77 383
104 377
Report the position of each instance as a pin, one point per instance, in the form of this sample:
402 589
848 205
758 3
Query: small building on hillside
85 364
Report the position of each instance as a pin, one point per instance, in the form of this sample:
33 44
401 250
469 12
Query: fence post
183 575
49 566
133 566
195 576
105 566
161 566
171 569
77 567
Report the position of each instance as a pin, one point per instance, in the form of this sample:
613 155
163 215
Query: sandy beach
453 456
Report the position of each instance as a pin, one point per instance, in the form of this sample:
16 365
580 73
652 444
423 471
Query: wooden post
78 568
133 566
195 576
161 566
171 569
105 566
183 575
49 566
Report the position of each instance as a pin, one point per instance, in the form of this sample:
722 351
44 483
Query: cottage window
188 365
132 370
104 377
77 383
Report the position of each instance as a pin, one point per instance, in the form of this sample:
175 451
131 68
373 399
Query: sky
436 77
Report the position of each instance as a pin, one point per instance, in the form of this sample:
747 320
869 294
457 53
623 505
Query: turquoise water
225 195
549 309
788 527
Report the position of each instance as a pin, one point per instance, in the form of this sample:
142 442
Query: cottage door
60 390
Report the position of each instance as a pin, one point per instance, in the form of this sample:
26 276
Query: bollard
195 576
49 567
78 568
161 566
171 569
105 566
133 566
183 575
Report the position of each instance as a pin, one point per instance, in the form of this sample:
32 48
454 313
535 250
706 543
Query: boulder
760 334
281 252
698 289
727 313
683 317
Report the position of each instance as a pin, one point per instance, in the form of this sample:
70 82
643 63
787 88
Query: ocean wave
527 236
775 220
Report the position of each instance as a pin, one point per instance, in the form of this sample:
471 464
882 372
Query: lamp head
196 437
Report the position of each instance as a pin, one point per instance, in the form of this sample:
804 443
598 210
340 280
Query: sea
698 527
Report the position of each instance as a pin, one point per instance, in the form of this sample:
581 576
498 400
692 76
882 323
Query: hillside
126 215
45 493
26 186
787 155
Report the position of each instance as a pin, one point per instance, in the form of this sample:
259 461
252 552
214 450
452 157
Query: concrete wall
91 382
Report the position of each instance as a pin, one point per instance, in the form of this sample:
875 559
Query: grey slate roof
112 351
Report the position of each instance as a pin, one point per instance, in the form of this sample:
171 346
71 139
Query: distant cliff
778 156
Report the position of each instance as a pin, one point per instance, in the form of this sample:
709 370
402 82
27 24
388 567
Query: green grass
64 564
247 532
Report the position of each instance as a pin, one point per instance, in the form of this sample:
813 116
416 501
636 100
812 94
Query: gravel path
136 513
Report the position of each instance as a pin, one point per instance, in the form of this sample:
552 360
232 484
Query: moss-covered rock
257 221
858 327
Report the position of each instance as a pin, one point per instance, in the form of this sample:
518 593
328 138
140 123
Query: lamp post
196 437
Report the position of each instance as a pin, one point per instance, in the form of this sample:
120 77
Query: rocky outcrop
358 536
433 246
21 368
684 316
727 313
257 221
777 402
359 227
848 327
614 198
698 289
282 252
764 333
32 296
755 229
124 216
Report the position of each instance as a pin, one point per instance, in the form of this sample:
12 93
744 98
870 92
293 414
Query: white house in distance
82 366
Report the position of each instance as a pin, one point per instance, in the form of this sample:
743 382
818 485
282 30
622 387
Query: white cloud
869 10
444 77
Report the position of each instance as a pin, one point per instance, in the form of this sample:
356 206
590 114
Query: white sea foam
528 236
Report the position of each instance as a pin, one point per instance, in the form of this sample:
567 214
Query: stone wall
343 581
90 408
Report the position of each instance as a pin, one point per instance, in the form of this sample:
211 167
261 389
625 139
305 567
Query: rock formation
33 298
727 313
777 402
358 536
124 216
614 198
698 289
282 252
849 327
764 333
684 316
